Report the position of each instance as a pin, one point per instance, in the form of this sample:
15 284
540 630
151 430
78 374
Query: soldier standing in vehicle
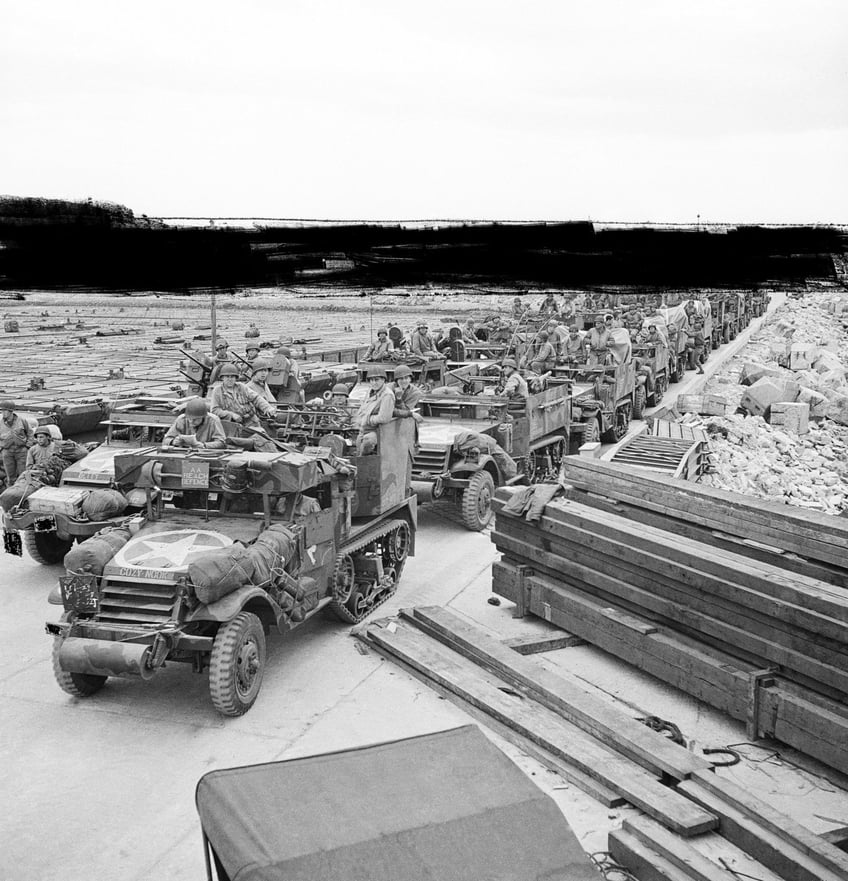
407 395
517 308
376 409
196 427
549 306
574 347
543 356
235 402
423 344
380 350
44 446
259 380
15 439
221 356
515 385
599 338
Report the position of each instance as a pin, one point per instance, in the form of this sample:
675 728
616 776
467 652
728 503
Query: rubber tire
480 490
617 432
44 547
660 388
640 398
592 433
227 698
75 684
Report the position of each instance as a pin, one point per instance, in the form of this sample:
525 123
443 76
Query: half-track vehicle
49 520
228 545
652 378
469 444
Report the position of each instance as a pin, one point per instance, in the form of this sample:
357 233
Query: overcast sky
613 110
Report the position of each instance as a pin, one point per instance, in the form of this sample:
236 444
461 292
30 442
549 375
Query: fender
229 606
465 468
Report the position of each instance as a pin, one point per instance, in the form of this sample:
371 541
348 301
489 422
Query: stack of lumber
669 448
603 750
718 616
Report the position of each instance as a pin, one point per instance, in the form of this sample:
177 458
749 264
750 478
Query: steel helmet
228 370
340 389
382 332
196 407
261 364
42 429
285 350
252 344
401 371
376 372
7 405
222 344
509 362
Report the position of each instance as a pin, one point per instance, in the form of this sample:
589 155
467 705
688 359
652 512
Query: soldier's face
195 421
339 401
376 382
260 375
42 439
229 381
404 381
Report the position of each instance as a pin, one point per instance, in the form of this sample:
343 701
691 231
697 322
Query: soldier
251 353
380 350
423 344
340 396
196 427
549 306
469 332
566 312
543 356
515 386
15 438
407 395
574 347
220 356
376 409
695 345
235 402
259 379
598 338
44 446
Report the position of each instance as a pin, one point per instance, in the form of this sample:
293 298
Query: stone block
592 449
828 361
779 351
802 356
765 392
791 417
838 409
817 402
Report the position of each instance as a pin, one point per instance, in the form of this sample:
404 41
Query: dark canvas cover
448 807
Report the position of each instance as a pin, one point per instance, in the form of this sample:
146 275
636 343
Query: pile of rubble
793 374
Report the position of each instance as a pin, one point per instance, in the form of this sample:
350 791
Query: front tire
237 665
477 501
640 398
45 548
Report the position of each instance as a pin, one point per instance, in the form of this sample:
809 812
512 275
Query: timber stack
738 602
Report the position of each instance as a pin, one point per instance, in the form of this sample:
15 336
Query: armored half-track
229 544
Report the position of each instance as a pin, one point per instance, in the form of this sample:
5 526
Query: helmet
43 429
401 371
543 334
252 344
222 344
7 405
509 362
376 372
228 370
382 332
261 364
340 389
196 407
285 350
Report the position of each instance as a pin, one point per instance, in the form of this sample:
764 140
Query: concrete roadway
103 787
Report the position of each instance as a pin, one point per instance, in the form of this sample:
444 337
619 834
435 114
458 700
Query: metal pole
214 317
371 297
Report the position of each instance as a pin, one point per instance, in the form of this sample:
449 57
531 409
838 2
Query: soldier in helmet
407 395
259 379
15 439
515 385
543 354
380 350
235 402
220 357
376 409
196 427
423 343
45 446
251 354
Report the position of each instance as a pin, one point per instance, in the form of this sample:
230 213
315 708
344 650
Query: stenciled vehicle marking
157 555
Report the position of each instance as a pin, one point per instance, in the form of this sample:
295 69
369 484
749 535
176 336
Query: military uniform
543 358
406 400
423 345
598 346
38 455
15 438
261 388
379 351
209 434
377 409
574 349
241 401
516 386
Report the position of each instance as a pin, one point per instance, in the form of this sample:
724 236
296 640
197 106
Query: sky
663 111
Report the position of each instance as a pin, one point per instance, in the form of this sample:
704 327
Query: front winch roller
95 657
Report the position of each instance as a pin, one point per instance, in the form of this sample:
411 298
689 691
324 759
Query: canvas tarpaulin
448 807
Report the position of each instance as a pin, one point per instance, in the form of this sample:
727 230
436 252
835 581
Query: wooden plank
676 850
774 850
563 694
546 729
593 788
534 645
780 824
641 861
725 541
688 611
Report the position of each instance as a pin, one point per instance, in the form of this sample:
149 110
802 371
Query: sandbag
20 490
100 504
90 556
220 572
271 552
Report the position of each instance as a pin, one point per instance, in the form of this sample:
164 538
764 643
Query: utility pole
214 317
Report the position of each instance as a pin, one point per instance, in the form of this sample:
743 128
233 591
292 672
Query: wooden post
757 679
523 600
